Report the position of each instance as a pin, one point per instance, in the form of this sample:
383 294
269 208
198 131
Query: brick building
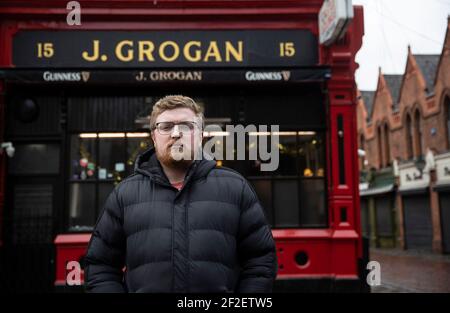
404 128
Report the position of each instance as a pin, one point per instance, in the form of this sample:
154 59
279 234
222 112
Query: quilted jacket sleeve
105 257
256 247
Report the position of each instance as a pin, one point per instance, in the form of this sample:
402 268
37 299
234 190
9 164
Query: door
35 122
384 215
444 199
417 217
33 194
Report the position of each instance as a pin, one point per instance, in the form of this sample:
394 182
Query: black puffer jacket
211 236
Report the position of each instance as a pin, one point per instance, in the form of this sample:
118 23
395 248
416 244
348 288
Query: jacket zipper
188 178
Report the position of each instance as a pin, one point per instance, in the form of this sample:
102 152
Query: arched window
447 109
387 145
409 136
362 146
379 147
417 134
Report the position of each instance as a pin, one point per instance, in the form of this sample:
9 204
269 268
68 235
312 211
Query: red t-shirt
178 185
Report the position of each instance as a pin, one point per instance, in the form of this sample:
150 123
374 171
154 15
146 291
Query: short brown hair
174 102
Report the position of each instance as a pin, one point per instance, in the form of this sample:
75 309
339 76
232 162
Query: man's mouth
177 146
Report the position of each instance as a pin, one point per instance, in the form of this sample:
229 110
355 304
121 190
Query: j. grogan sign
158 49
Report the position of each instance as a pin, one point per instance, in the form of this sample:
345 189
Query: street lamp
425 165
420 164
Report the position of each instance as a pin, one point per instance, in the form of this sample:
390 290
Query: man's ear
152 135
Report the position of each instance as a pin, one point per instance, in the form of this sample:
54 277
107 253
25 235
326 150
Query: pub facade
75 101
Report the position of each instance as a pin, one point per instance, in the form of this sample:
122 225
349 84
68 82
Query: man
179 223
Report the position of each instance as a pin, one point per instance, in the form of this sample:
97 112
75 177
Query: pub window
293 195
99 161
288 142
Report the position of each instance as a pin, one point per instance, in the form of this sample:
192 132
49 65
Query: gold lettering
95 52
186 51
146 48
213 51
162 53
237 54
169 51
129 56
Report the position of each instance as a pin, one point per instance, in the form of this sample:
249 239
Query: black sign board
157 76
164 49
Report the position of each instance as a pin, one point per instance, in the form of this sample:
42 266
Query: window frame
98 207
272 178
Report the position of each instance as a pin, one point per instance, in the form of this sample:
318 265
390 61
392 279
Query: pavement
405 271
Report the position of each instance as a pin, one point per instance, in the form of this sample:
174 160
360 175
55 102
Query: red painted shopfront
74 102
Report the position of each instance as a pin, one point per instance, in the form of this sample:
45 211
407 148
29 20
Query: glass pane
244 167
104 190
285 193
83 157
312 193
112 160
82 208
136 145
288 155
35 159
263 189
287 145
311 155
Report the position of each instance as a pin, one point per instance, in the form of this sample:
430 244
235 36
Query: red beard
166 158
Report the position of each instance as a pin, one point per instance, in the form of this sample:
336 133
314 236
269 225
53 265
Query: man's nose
176 132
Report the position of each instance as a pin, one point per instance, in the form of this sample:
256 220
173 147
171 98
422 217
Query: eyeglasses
166 128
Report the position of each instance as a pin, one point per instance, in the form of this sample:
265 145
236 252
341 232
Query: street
411 271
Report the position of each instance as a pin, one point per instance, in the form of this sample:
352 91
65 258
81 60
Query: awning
377 190
442 186
416 190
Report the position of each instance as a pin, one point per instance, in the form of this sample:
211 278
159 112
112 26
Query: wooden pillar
400 222
435 214
373 222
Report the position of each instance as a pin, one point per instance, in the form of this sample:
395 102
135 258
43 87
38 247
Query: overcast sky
390 25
